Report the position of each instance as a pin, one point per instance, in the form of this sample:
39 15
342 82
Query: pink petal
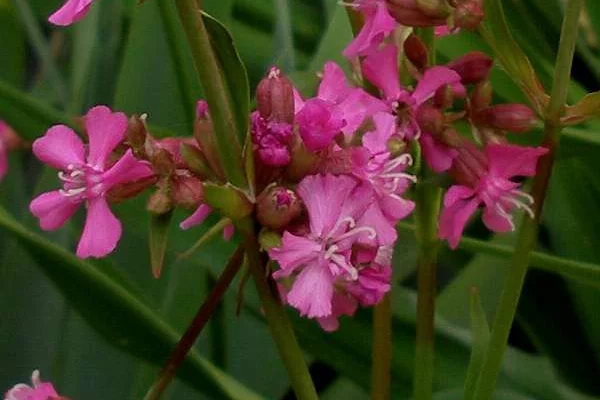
127 169
396 207
298 101
228 232
60 147
295 251
356 107
433 79
386 231
101 232
105 130
196 218
333 85
70 12
381 69
342 304
53 209
438 156
378 25
376 140
495 221
323 197
456 193
312 291
454 217
318 124
507 160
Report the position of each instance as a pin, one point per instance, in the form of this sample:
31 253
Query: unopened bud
481 96
137 133
186 190
128 190
162 162
268 239
277 207
473 67
195 160
160 202
516 118
430 119
275 97
444 97
433 8
416 51
468 14
204 135
408 13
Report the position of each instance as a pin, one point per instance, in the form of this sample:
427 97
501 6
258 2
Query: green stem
428 201
382 350
527 239
195 328
279 323
215 90
176 47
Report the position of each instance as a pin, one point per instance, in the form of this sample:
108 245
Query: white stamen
349 4
506 216
403 159
351 224
400 175
372 233
72 192
524 195
341 262
521 206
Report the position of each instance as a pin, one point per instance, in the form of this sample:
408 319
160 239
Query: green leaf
12 68
230 201
481 337
497 34
159 236
120 317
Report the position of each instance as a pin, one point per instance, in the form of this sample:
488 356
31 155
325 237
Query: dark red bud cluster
277 207
416 51
473 67
275 97
517 118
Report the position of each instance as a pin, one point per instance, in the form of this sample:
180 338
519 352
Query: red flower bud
482 95
137 133
416 51
444 97
516 118
408 13
468 14
275 97
277 207
160 202
473 67
186 190
430 119
433 8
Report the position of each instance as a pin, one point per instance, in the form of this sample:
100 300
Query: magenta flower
385 175
381 69
491 187
87 179
379 24
70 12
320 262
271 140
39 391
337 108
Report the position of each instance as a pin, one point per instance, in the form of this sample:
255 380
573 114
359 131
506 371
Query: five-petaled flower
87 180
39 391
70 12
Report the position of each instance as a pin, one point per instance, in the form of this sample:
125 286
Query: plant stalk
277 319
527 239
382 350
188 339
428 201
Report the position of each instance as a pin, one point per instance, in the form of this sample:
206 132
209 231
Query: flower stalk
428 201
527 238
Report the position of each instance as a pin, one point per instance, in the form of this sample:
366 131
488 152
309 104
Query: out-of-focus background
121 55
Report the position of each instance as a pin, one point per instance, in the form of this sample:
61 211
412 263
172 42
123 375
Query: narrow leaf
230 201
481 336
124 320
497 34
159 236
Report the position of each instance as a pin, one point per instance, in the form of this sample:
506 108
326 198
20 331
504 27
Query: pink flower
385 174
489 186
338 108
70 12
320 261
378 25
87 179
199 216
39 391
271 140
381 69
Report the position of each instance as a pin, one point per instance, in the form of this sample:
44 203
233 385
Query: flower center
81 182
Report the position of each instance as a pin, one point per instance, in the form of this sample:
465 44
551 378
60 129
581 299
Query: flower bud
275 97
473 67
203 133
433 8
195 160
137 133
444 97
481 96
408 13
186 190
160 202
468 14
128 190
162 161
277 207
430 119
516 118
416 51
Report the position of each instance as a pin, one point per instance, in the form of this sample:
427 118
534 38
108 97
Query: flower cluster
333 172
